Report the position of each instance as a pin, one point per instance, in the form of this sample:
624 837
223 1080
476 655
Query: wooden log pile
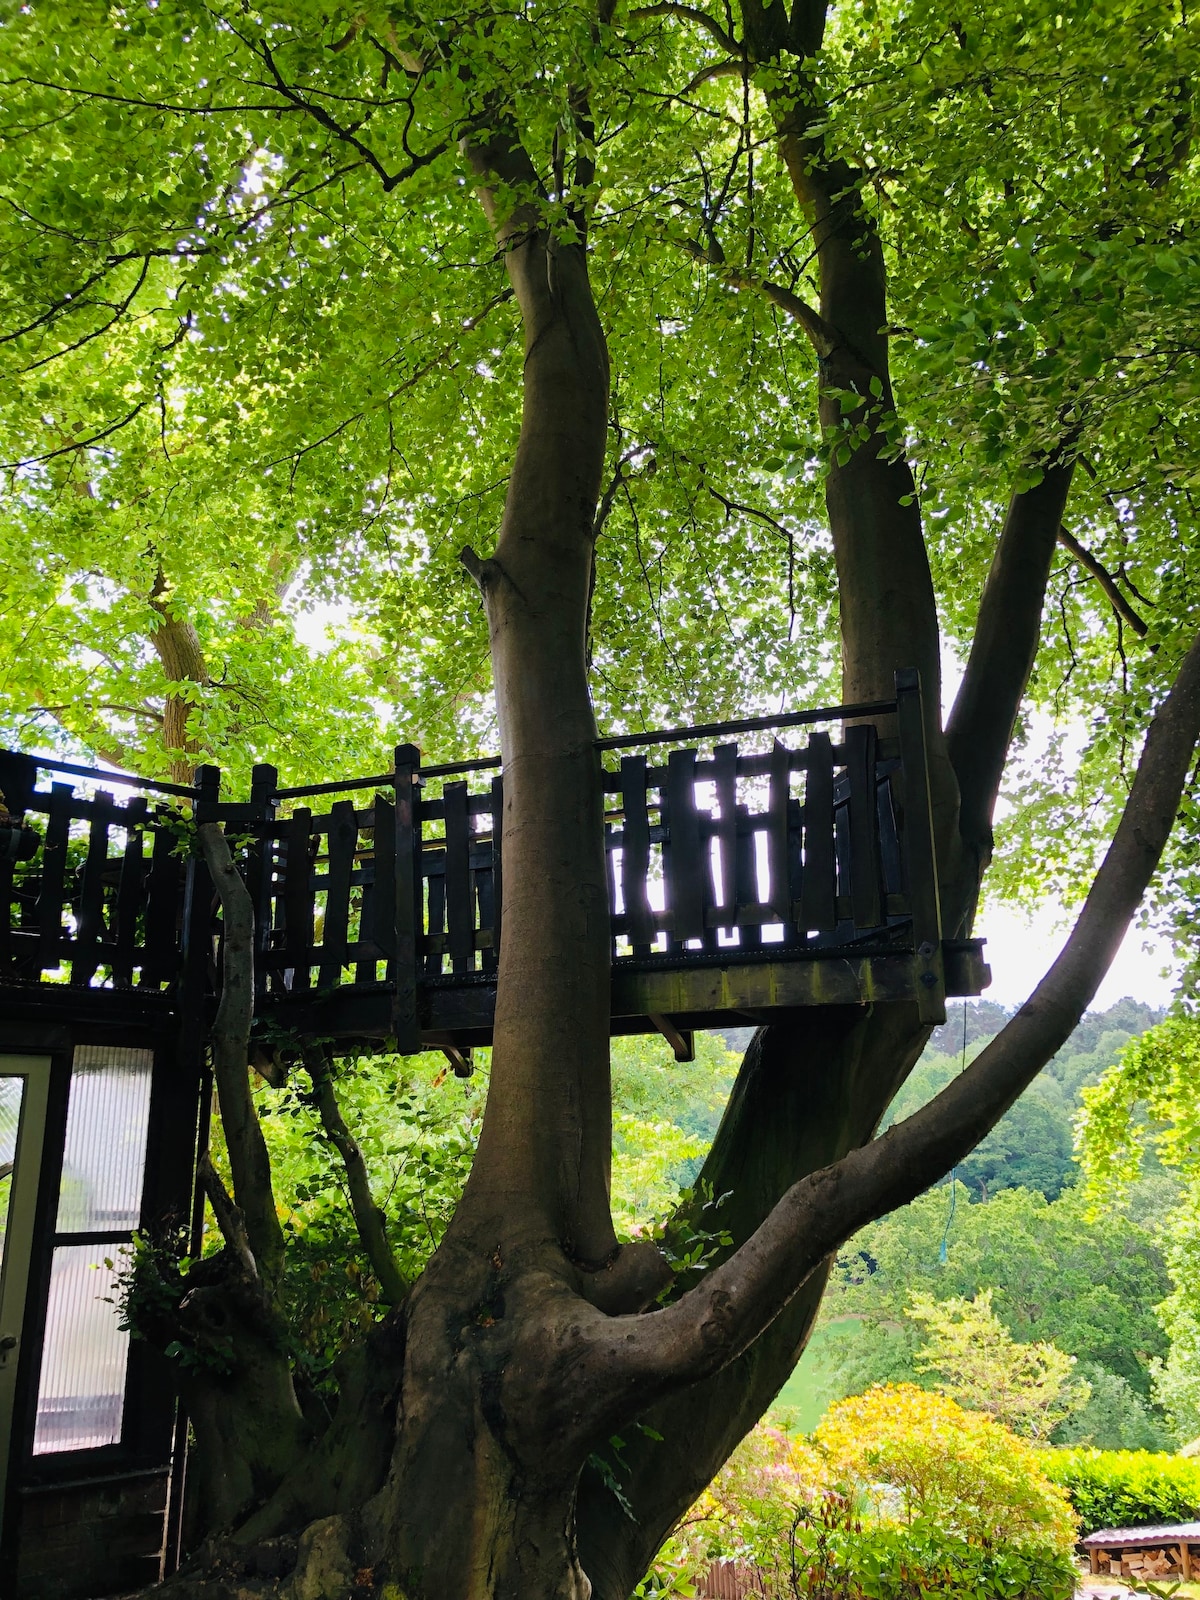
1150 1554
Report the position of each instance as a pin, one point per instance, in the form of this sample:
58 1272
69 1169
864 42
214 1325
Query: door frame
20 1238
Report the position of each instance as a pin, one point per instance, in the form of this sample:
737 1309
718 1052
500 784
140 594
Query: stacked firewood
1153 1564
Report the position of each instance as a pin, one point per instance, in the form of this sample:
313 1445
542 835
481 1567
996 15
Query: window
81 1392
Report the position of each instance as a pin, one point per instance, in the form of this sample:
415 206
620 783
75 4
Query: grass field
803 1400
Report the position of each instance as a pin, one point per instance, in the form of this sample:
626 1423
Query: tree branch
712 1324
181 656
229 1219
1106 581
249 1163
368 1218
822 336
980 727
673 8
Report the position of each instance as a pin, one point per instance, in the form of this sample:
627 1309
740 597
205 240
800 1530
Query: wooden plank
54 866
683 857
866 900
749 912
681 1040
779 892
920 856
130 894
818 893
161 932
761 986
381 925
298 893
433 869
408 898
89 909
259 863
485 911
889 834
460 912
635 855
342 840
733 884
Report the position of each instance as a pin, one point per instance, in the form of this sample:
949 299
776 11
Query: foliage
664 1118
1115 1416
1031 1147
924 1562
777 1508
958 1468
157 419
1089 1286
1125 1488
1143 1111
1027 1387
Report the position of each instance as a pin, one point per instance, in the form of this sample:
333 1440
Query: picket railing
806 851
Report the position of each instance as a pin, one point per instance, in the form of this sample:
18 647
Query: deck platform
743 883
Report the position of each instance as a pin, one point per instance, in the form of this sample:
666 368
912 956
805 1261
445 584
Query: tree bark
178 647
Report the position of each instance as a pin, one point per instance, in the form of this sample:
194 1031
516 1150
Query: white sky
1019 950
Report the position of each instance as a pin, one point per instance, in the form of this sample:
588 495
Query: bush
958 1468
1125 1488
900 1495
924 1562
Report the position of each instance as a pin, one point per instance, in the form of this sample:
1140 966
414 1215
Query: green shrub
900 1495
1125 1488
921 1561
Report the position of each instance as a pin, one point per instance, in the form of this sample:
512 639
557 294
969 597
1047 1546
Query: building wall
85 1540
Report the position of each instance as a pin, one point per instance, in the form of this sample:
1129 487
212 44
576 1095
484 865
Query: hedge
1126 1488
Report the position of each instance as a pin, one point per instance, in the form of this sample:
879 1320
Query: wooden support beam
461 1059
681 1040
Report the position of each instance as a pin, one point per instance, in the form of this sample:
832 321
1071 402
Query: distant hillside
1031 1147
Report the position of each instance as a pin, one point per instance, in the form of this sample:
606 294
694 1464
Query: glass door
24 1087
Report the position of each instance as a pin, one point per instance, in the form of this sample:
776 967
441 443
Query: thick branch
673 8
229 1219
181 655
981 724
721 1317
249 1163
1106 581
368 1218
822 336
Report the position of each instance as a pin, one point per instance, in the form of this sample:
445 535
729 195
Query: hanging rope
943 1248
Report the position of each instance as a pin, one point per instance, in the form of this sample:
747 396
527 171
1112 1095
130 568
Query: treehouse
793 869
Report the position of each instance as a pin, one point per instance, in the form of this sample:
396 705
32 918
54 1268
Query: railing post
920 854
197 906
406 1024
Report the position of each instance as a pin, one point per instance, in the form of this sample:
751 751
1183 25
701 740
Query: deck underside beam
701 995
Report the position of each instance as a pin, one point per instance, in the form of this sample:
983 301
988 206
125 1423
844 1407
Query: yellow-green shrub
899 1494
955 1467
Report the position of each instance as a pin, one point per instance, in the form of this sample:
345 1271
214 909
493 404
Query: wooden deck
743 882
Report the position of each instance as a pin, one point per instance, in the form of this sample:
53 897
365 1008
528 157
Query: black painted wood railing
380 915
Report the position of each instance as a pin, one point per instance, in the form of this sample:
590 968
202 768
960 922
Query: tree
1145 1105
1027 1387
325 252
1089 1285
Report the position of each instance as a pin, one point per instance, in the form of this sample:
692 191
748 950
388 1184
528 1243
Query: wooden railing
792 853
